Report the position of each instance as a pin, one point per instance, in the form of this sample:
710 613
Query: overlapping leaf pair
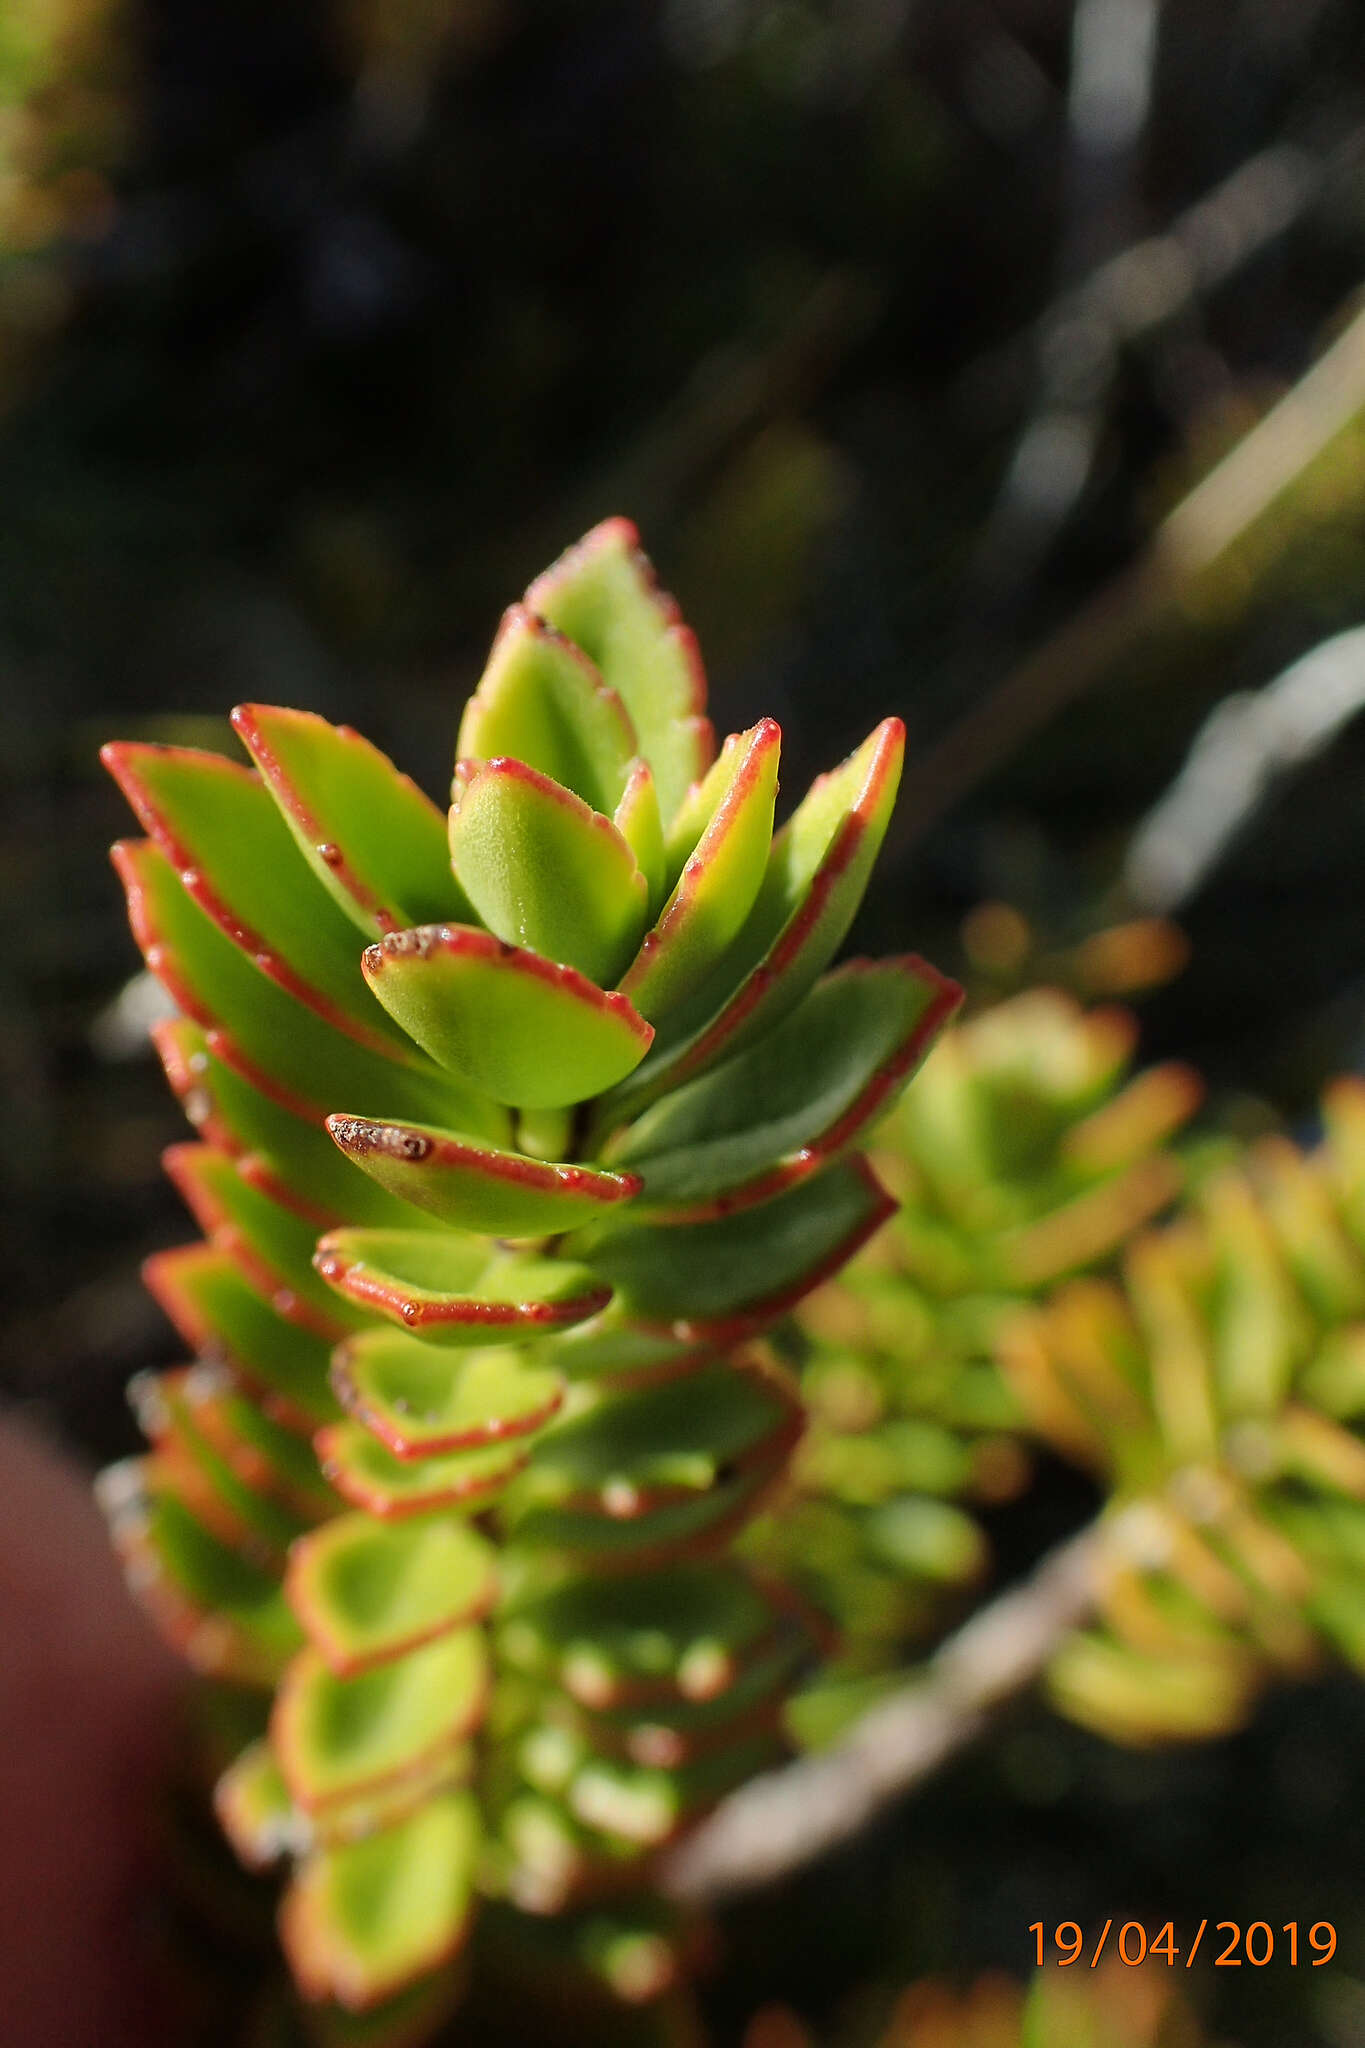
1219 1393
1025 1152
516 1130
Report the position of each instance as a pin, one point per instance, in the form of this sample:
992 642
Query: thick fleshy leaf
479 1187
648 1807
361 1921
518 1027
679 1526
371 1476
637 820
236 857
371 837
545 870
272 1246
370 1591
288 1157
225 1615
682 1633
738 1273
603 595
455 1288
265 1454
541 700
239 1513
718 877
282 1047
780 1111
255 1810
667 1733
221 1317
817 871
628 1453
614 1346
422 1401
336 1738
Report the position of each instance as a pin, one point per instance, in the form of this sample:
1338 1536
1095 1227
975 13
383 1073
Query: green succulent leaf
682 1633
540 700
221 1316
336 1738
370 1476
479 1187
370 836
725 1278
247 1513
226 1615
630 1452
603 596
546 871
639 823
258 1030
237 860
422 1400
288 1157
817 871
519 1027
780 1111
271 1245
254 1808
454 1287
368 1592
361 1921
717 878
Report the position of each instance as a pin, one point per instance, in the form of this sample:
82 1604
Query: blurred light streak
1243 748
1113 51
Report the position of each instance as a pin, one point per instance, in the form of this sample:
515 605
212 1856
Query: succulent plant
1218 1394
1114 2007
1024 1153
516 1131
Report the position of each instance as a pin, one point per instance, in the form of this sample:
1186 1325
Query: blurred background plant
1000 364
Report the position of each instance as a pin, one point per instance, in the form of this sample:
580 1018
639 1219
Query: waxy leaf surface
739 1272
369 1591
289 1157
781 1110
679 1633
370 836
272 1245
516 1026
217 824
371 1476
337 1737
602 594
360 1921
628 1451
478 1187
542 701
260 1030
817 871
221 1316
546 871
718 879
455 1288
422 1400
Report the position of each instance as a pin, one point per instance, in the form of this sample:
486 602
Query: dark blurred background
905 329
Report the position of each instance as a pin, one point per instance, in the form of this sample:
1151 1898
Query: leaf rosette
518 1127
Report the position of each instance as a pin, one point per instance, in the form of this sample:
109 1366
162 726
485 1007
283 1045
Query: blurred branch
1201 529
1078 343
1245 744
784 1820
